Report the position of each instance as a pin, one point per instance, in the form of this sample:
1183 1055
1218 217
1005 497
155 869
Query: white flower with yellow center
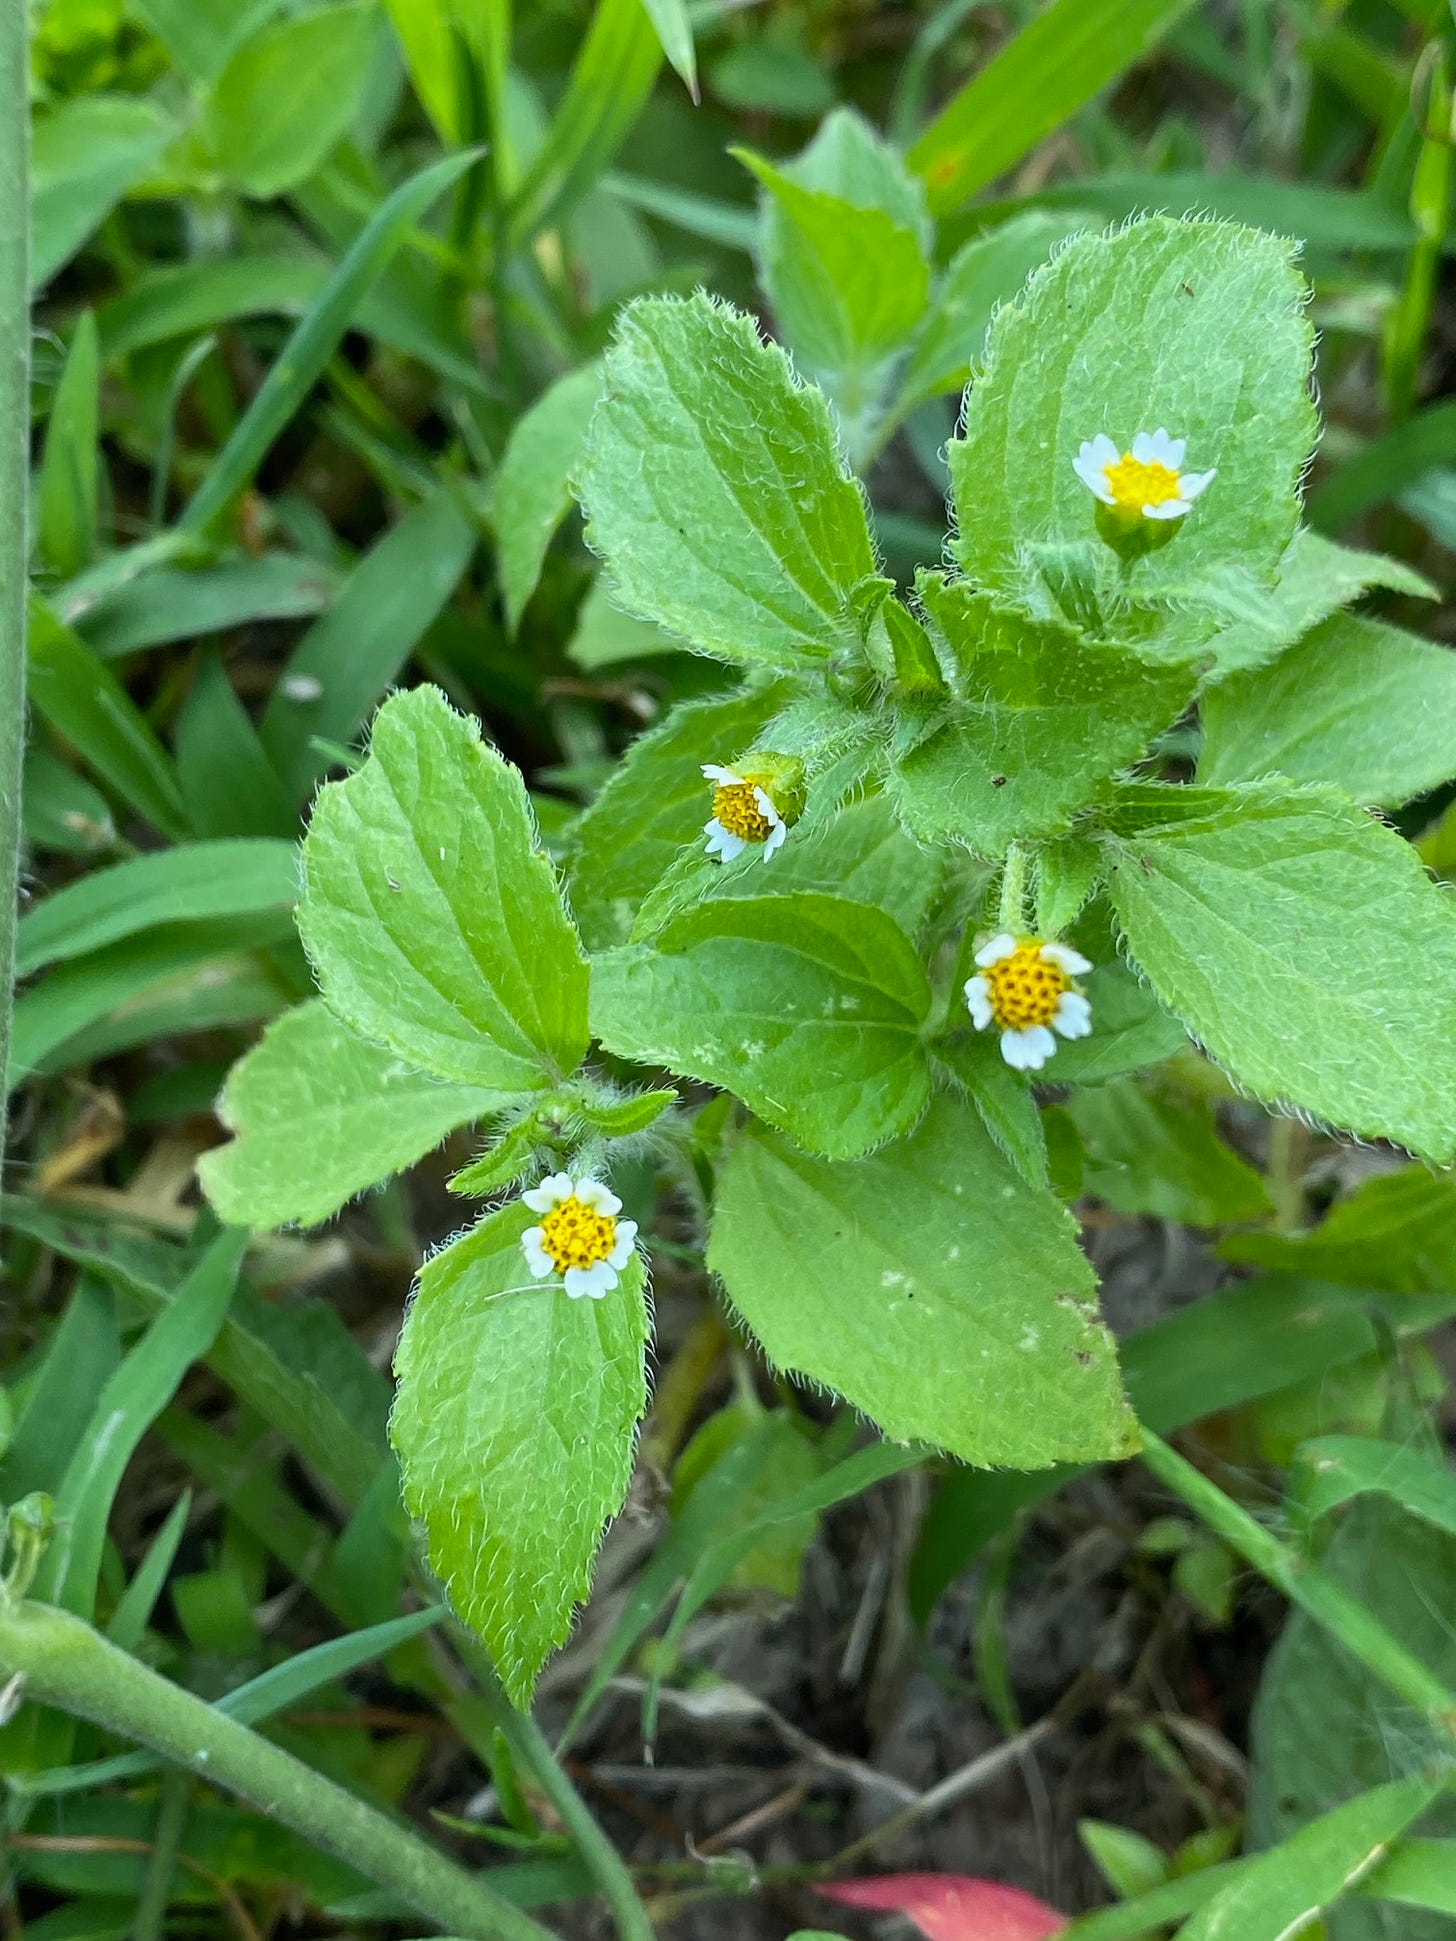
1147 482
743 814
1025 989
580 1236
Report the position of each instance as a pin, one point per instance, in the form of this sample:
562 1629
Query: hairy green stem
63 1662
1304 1584
14 480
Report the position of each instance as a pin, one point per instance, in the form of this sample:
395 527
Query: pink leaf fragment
953 1907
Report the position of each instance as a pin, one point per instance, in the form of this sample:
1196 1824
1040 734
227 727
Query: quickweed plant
970 889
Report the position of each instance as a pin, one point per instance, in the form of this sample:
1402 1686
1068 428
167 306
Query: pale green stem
14 478
1306 1585
1013 889
63 1662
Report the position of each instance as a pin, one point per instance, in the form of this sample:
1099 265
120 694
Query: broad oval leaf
807 1007
1305 946
1368 707
431 917
715 489
929 1285
1197 326
318 1115
514 1423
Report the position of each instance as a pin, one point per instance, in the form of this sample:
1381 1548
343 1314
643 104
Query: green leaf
287 96
859 852
1316 579
1159 1155
674 28
715 491
296 368
432 919
808 1007
86 704
930 1286
228 783
1417 1873
531 494
1041 722
1067 874
514 1423
1331 1469
66 496
973 1062
847 282
511 1157
1197 326
188 883
1129 1863
318 1116
86 154
1304 945
849 160
1395 1231
1067 55
987 272
350 655
1365 706
620 1118
200 34
654 804
1314 1867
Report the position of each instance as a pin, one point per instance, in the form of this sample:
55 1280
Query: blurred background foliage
319 291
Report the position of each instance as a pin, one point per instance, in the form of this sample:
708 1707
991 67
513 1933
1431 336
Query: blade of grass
193 881
316 338
83 701
14 477
137 1602
129 1404
1054 66
607 91
356 648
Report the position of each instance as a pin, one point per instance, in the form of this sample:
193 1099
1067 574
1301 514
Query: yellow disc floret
574 1234
1135 484
736 809
1025 989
